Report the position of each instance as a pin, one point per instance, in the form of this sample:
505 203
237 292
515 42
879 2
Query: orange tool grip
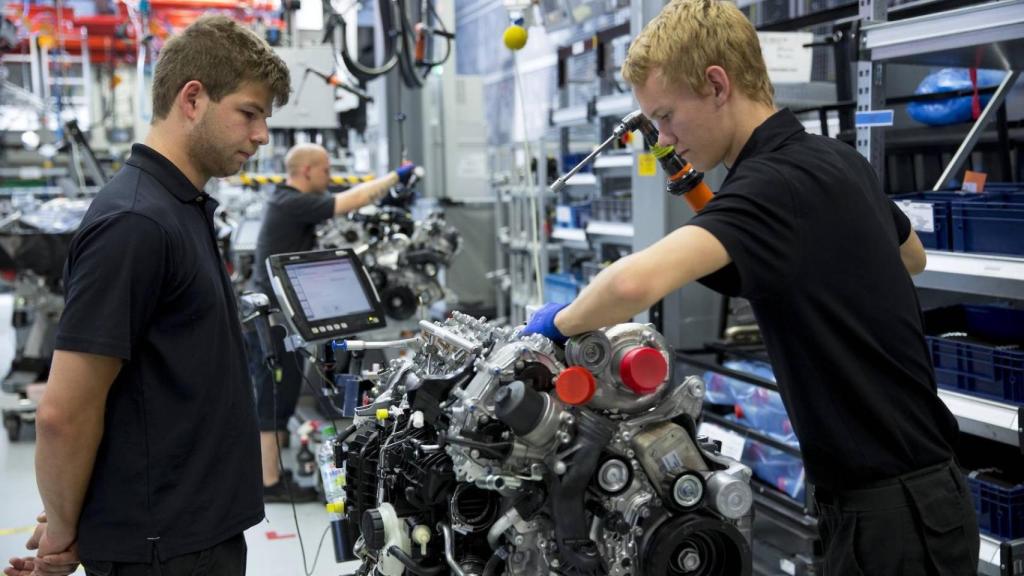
698 197
421 43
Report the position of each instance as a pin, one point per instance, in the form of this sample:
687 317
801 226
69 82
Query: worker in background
289 225
802 229
147 456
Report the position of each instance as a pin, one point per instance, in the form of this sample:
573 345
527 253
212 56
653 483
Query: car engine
405 257
490 452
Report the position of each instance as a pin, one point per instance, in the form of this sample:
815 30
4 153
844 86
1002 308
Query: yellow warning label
9 531
647 164
247 179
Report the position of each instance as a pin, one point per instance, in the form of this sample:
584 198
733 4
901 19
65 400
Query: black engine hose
361 71
405 60
496 564
340 438
414 566
579 554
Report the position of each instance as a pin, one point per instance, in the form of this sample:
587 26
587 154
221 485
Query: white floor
273 544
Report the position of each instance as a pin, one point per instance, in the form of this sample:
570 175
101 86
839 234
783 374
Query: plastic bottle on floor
305 459
331 476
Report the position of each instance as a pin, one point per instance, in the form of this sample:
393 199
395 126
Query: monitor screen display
246 235
328 289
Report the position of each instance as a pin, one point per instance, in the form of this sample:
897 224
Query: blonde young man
147 458
802 229
289 225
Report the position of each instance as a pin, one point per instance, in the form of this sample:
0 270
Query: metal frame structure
985 35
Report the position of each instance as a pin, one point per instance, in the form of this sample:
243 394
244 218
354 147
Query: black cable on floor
288 484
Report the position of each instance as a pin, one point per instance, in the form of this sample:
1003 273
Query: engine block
490 452
405 257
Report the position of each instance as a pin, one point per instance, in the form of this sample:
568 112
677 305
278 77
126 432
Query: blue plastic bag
952 110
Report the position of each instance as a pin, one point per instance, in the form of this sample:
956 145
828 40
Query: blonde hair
222 55
690 35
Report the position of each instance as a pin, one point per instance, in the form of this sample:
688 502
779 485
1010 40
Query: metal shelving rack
995 276
71 89
988 35
601 111
514 239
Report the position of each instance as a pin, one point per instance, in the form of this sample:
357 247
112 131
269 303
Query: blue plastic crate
989 360
560 288
1012 187
774 467
992 187
993 224
999 504
572 215
941 236
571 160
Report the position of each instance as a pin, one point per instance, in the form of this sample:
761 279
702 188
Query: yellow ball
514 37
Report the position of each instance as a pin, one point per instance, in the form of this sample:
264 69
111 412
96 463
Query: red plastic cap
575 385
643 370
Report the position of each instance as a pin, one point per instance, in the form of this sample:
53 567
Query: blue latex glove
543 322
405 172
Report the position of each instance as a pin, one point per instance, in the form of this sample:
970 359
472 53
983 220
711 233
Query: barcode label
921 215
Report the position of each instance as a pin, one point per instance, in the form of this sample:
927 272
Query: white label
787 60
732 443
30 172
787 566
581 12
578 47
563 215
310 16
921 215
670 463
472 165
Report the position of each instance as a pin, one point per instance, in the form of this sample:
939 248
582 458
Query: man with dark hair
802 229
147 455
289 225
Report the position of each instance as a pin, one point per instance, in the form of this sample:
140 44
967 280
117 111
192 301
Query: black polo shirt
179 463
815 248
289 225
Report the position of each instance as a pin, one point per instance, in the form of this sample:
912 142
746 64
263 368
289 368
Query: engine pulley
697 546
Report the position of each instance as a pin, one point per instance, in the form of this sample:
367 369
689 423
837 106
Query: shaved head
309 168
303 155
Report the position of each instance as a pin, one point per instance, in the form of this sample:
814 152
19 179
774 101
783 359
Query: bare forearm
69 426
65 454
364 194
613 296
634 283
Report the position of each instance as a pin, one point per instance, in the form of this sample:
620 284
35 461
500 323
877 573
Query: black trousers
224 559
919 524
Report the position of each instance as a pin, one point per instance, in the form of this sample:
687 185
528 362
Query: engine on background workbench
491 453
404 256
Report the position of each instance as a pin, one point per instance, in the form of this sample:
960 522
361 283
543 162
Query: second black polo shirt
815 248
178 468
289 225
